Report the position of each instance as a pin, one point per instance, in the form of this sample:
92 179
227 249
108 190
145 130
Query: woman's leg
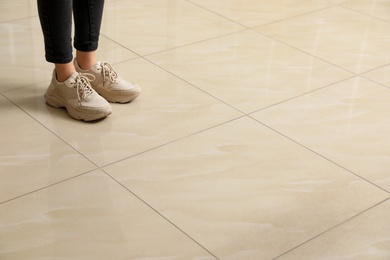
56 22
87 18
64 71
85 59
67 88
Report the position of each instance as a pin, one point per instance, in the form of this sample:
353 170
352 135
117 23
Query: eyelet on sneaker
108 84
78 97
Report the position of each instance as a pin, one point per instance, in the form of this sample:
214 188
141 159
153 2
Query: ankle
64 71
84 65
85 60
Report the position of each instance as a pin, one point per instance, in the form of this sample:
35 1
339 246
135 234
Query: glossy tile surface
30 156
257 12
370 241
344 37
233 193
91 217
155 25
249 71
347 123
22 53
261 132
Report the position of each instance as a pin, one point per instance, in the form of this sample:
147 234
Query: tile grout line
302 51
298 49
320 155
22 87
47 129
59 138
174 47
194 86
19 19
46 187
267 23
375 82
160 214
301 95
312 55
363 13
174 141
334 227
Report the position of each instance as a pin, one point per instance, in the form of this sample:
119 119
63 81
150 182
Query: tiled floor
262 132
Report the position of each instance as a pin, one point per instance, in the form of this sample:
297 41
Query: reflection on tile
22 53
245 198
346 38
17 9
257 12
349 123
166 110
376 8
30 156
150 26
90 217
113 52
365 237
249 71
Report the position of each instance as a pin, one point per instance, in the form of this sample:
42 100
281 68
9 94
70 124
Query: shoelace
108 72
82 85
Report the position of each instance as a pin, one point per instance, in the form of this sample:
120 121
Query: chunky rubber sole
112 98
56 102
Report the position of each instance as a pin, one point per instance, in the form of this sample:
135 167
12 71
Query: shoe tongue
98 66
72 77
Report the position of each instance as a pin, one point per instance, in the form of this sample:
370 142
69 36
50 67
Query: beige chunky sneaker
108 84
78 97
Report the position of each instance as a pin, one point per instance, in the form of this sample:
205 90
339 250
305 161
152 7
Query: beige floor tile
364 237
113 52
17 9
344 37
236 188
153 25
258 12
166 110
249 71
381 75
30 156
244 191
89 217
23 56
376 8
347 123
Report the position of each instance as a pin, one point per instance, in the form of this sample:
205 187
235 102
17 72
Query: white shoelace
82 85
109 73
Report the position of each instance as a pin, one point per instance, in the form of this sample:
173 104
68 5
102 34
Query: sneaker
108 84
78 97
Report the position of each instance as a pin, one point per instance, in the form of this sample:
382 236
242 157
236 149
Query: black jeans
56 21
